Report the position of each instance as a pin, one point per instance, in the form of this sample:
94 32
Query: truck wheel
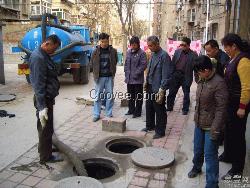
76 76
84 74
27 78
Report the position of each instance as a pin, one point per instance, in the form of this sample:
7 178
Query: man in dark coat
157 82
43 78
183 62
135 64
213 51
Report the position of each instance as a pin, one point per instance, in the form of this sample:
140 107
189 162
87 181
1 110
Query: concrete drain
100 168
124 145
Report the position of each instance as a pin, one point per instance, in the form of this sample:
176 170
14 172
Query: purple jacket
134 67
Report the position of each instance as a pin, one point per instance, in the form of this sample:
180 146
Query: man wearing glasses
183 62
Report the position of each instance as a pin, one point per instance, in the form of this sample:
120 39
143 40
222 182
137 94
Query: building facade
14 10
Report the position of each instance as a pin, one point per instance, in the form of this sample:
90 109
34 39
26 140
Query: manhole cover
78 182
100 168
152 157
124 145
7 98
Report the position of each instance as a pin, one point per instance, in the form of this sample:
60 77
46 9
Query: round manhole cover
124 145
7 98
78 182
152 157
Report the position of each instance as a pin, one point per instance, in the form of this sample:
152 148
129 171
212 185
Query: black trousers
45 135
234 141
136 100
177 82
153 110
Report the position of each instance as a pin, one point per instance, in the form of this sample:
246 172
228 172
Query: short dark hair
134 40
54 39
202 62
213 43
103 36
154 39
232 38
186 40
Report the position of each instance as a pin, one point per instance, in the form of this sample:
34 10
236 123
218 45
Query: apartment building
14 10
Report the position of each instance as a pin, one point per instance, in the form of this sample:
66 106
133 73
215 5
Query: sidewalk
87 139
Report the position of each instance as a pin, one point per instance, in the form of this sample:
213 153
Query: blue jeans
104 91
204 144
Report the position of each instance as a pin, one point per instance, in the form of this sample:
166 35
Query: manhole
124 145
152 158
78 182
100 168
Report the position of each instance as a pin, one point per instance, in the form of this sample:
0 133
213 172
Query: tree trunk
124 43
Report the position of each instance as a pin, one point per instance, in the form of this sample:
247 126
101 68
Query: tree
125 10
139 28
94 12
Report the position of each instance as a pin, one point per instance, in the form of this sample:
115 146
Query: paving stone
31 181
133 186
156 184
23 186
142 174
152 157
5 174
46 184
114 125
18 177
139 181
78 182
136 133
42 173
24 160
161 176
8 184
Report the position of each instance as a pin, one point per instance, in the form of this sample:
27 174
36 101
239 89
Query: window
214 30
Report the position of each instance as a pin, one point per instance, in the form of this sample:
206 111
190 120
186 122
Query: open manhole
124 145
99 168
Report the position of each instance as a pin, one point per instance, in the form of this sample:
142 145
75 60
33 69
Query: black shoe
169 109
194 172
147 129
232 176
157 136
222 158
184 112
52 159
129 113
135 116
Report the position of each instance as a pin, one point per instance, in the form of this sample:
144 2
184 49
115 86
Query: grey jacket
95 61
134 67
189 65
160 71
43 77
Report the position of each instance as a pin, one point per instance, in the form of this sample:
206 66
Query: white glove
160 96
43 116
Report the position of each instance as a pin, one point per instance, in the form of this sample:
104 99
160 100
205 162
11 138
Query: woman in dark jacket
135 64
210 110
238 83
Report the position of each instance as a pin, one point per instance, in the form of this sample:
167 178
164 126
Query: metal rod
2 77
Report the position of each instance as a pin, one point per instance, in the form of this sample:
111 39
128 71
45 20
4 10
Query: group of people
222 96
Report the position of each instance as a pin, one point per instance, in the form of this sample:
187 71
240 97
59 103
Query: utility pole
2 77
206 31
